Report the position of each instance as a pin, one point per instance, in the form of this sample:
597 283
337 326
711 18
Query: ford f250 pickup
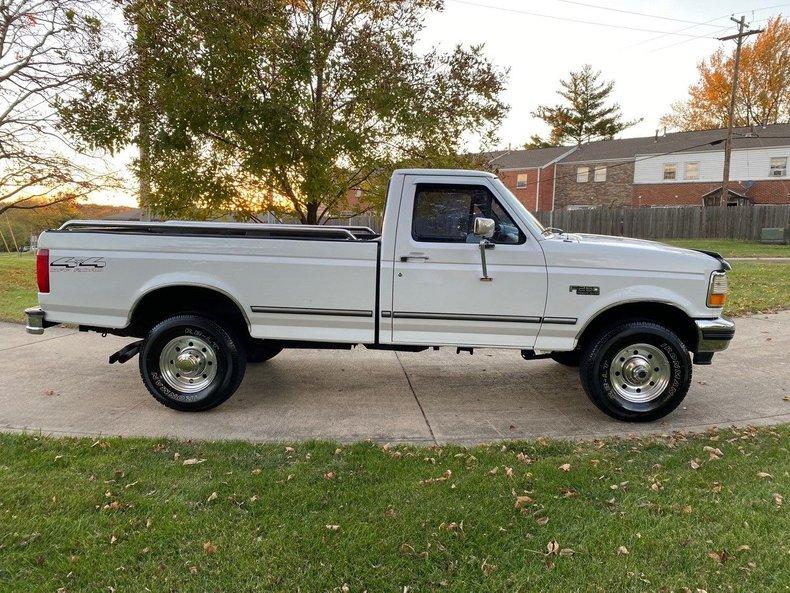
459 262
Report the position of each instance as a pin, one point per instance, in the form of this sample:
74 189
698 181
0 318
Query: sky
541 41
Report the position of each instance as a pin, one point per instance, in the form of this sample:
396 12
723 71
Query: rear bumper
714 335
36 321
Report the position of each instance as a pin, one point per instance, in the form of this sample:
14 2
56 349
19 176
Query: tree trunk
311 213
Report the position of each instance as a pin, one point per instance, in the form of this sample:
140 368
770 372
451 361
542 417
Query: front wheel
638 371
191 363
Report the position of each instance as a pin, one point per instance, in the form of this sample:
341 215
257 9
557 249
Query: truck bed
291 282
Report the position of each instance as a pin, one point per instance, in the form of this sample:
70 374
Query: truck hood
605 251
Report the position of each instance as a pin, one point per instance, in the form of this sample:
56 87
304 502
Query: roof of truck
445 172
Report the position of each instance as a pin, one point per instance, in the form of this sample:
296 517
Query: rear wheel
638 371
191 363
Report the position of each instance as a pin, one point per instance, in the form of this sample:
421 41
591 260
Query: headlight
717 290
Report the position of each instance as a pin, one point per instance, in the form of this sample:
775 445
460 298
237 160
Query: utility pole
731 116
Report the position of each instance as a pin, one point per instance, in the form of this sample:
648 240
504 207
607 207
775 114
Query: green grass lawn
732 247
17 285
758 287
659 514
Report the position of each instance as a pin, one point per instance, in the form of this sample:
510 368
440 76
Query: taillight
42 270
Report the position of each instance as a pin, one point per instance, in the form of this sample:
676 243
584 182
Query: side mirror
484 227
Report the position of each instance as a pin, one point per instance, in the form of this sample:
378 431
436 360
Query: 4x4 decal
80 264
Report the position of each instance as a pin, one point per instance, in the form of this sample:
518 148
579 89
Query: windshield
522 211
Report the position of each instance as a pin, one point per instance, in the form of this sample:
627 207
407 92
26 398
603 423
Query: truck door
439 293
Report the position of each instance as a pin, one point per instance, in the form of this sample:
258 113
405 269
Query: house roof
625 149
525 159
697 141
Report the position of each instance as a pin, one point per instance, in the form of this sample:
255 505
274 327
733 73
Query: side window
446 213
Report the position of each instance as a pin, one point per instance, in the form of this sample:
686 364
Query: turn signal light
42 270
717 291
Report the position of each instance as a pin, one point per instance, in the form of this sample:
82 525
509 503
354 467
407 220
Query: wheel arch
668 315
163 301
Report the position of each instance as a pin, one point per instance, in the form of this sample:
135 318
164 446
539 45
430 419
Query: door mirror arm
485 244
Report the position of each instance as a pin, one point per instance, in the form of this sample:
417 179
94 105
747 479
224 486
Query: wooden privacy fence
683 222
719 222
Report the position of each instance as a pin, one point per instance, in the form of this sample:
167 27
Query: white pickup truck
460 263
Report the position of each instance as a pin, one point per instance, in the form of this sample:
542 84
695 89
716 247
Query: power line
570 20
623 11
718 18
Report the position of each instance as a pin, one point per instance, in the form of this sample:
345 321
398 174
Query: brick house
682 168
529 174
669 173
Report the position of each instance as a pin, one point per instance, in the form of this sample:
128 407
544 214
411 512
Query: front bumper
36 322
714 335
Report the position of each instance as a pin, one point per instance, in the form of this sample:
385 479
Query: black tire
569 359
598 366
224 347
261 352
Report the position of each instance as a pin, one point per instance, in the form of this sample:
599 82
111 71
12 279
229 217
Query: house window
692 171
670 171
778 166
582 174
600 173
521 181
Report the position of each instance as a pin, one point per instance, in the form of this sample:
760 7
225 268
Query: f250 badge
585 290
77 264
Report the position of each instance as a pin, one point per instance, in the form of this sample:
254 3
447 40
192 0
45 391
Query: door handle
414 258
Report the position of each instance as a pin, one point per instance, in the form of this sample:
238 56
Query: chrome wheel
639 373
188 364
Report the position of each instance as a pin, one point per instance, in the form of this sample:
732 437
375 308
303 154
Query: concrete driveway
60 383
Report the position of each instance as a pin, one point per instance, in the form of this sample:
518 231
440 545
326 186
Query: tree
584 116
763 95
261 103
43 43
536 141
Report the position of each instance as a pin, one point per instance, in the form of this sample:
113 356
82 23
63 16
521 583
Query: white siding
746 165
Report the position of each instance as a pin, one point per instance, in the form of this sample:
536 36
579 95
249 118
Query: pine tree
585 115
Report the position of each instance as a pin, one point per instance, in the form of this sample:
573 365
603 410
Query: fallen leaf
778 499
256 471
212 496
567 552
333 527
487 568
719 557
694 463
523 500
552 547
509 472
406 549
290 450
542 521
445 476
493 471
193 461
329 476
209 548
113 539
765 475
622 551
566 467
